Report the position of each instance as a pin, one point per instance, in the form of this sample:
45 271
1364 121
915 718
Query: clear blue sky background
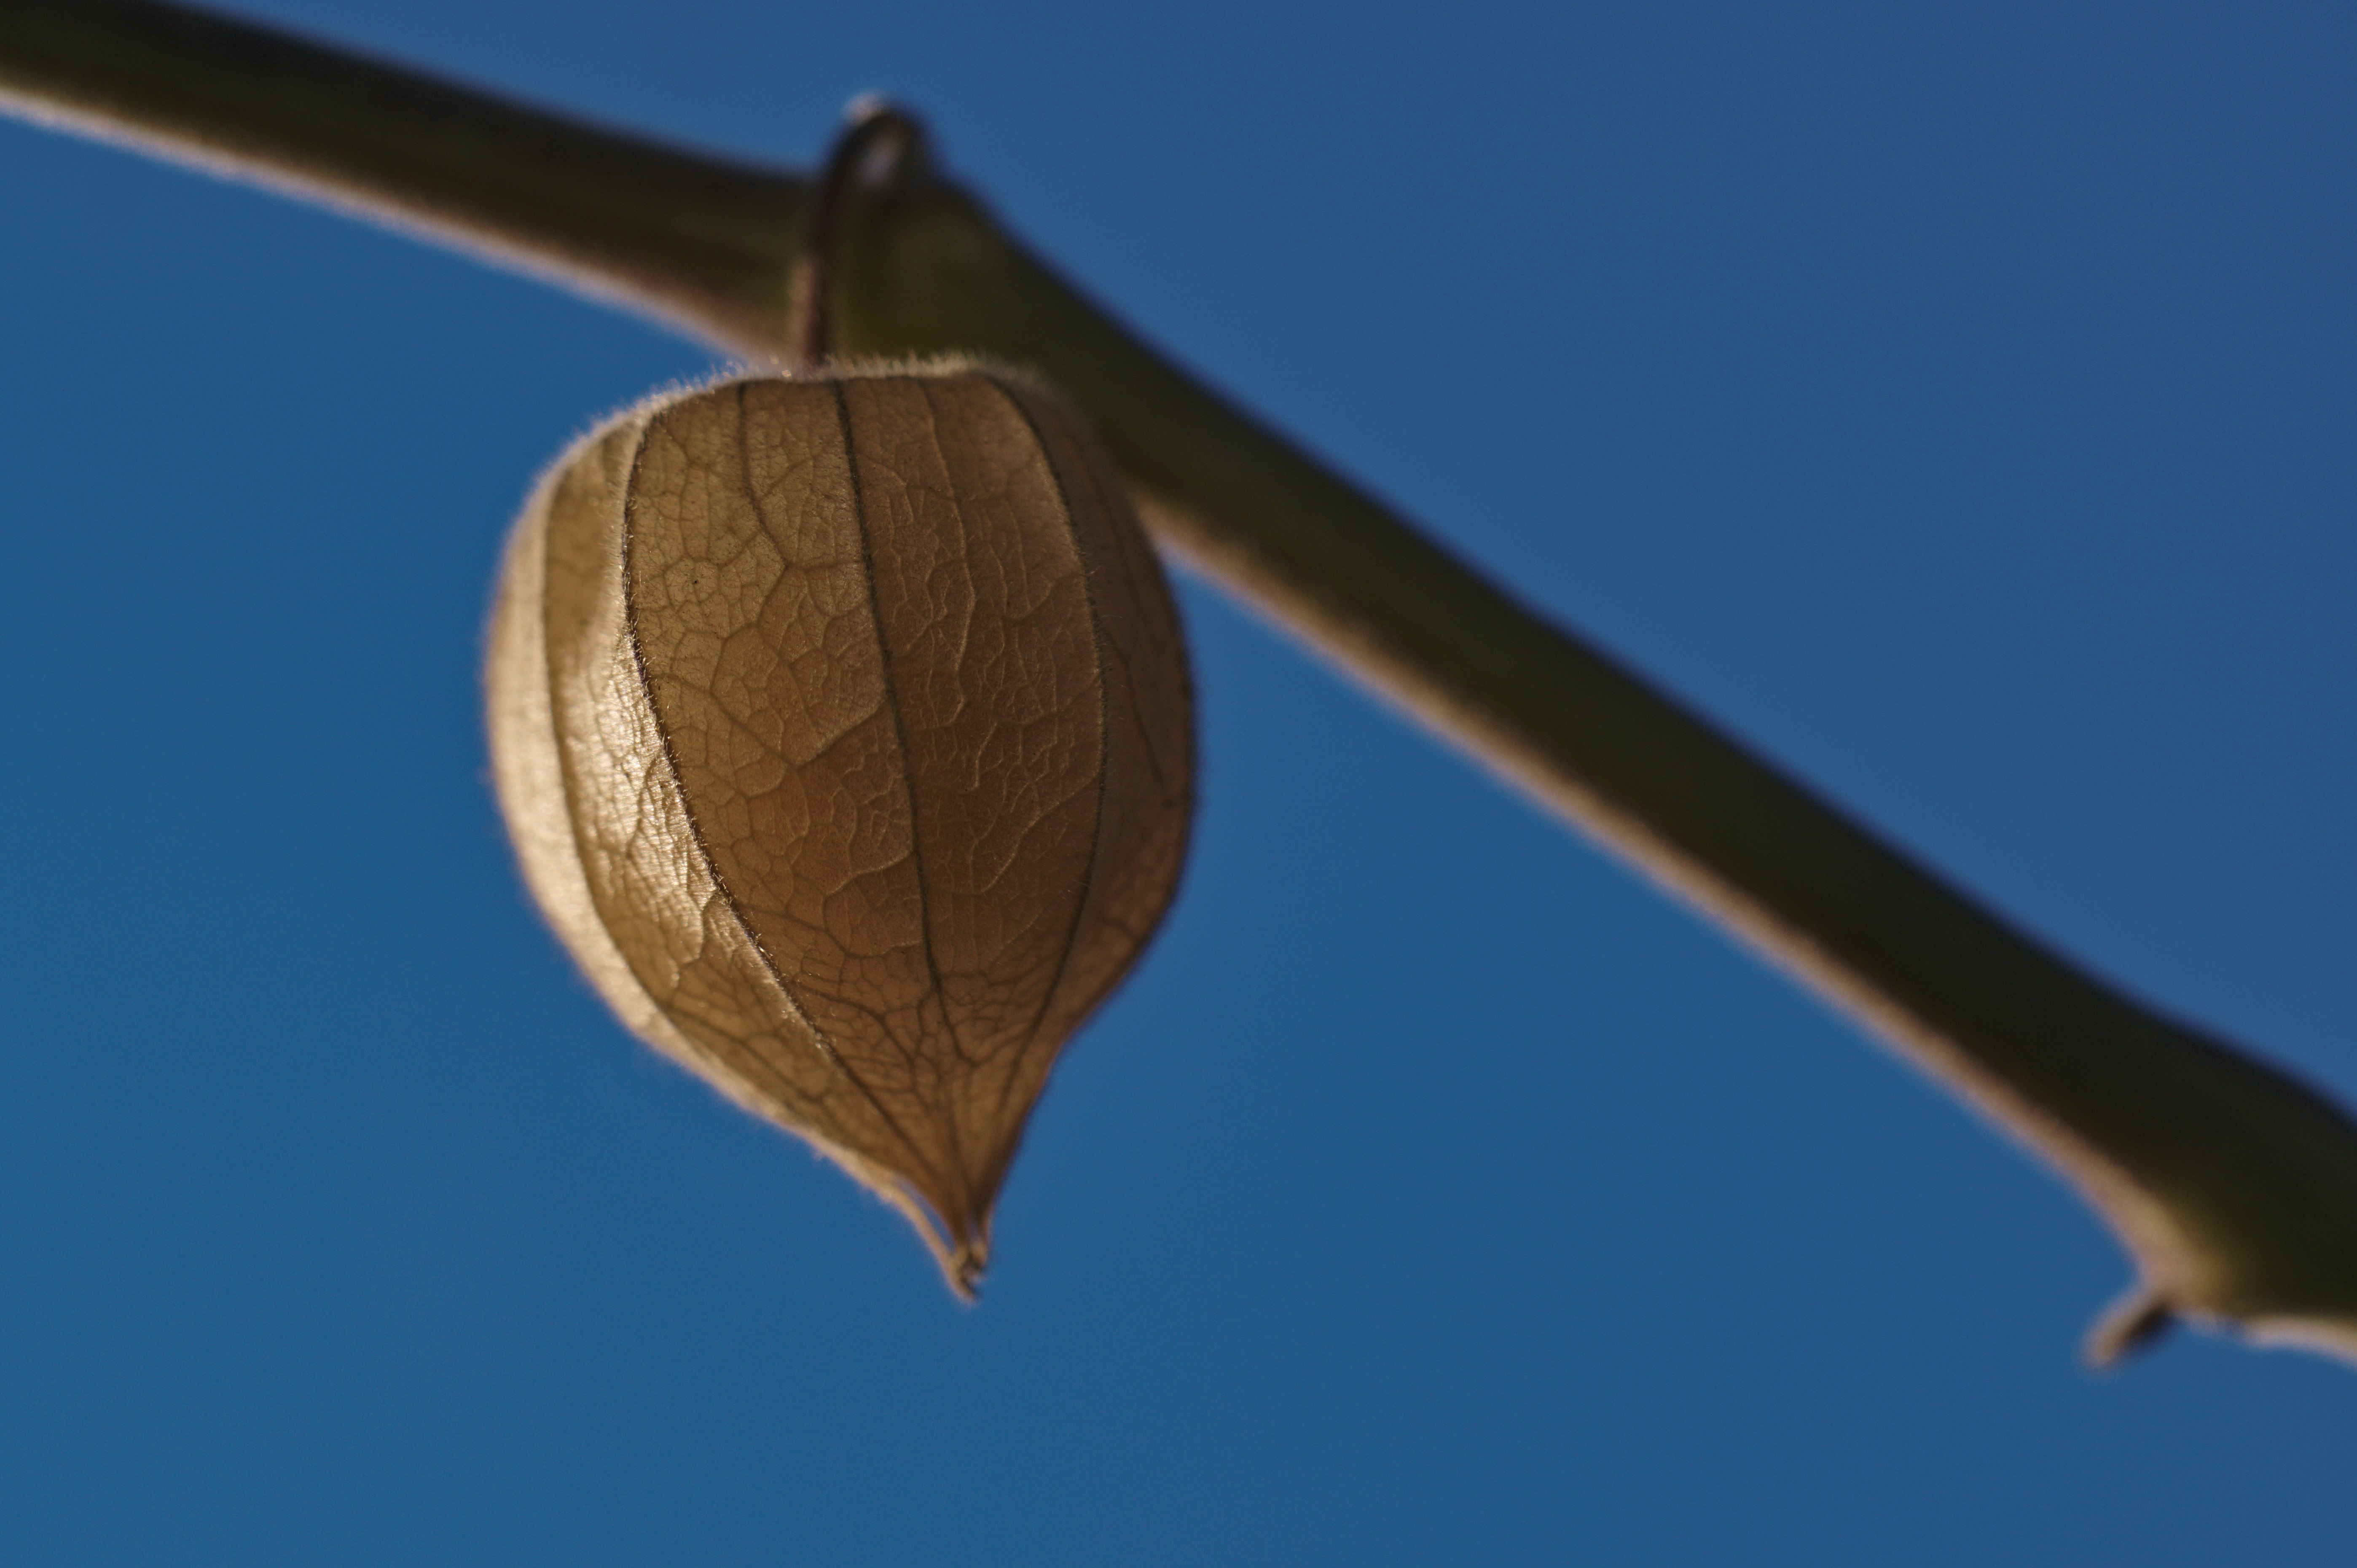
1956 401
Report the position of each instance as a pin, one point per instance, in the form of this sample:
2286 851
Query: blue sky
1955 406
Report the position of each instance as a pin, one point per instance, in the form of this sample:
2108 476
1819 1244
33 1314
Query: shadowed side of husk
1015 625
1146 799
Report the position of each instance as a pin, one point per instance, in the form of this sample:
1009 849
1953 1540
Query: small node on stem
2133 1323
879 146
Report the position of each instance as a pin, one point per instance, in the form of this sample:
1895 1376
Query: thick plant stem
2234 1187
686 235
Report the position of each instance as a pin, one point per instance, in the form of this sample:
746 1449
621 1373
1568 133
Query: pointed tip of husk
964 1270
962 1261
962 1250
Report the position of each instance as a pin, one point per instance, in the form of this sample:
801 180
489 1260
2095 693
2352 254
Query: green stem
686 235
2234 1186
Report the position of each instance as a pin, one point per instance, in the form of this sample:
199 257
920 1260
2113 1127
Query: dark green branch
2236 1187
686 234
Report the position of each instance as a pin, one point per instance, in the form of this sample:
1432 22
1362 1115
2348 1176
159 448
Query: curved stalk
2233 1186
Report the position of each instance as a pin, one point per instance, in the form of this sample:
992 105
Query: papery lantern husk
843 726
